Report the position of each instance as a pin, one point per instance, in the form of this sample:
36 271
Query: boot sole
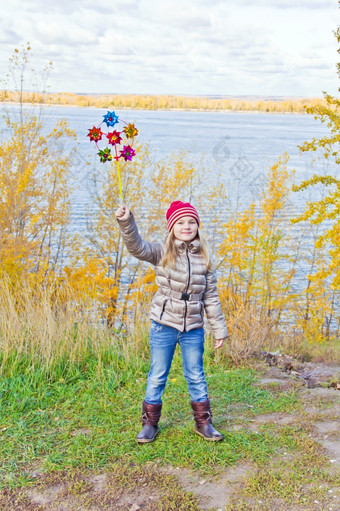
146 440
210 439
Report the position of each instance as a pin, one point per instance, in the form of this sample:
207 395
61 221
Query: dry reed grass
34 325
250 333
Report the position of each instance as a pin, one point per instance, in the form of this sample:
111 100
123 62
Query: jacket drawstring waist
180 296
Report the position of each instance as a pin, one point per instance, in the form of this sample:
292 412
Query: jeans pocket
156 327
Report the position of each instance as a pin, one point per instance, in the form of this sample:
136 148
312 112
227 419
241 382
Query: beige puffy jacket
183 292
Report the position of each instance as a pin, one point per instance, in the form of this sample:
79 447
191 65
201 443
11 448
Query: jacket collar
193 247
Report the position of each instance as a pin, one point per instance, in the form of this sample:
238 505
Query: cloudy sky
197 47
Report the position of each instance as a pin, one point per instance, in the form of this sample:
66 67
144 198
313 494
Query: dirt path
318 387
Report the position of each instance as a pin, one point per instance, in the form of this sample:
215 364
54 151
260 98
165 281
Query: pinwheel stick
119 181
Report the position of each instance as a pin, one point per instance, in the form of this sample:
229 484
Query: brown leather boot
150 417
203 419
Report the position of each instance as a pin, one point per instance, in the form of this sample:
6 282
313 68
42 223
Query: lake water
239 145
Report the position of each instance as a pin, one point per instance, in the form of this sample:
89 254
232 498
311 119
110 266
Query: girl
186 285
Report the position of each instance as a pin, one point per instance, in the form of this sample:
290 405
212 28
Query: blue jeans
163 341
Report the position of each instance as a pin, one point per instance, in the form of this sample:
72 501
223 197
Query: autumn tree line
165 102
61 292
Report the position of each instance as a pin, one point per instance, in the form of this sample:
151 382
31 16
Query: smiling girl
186 289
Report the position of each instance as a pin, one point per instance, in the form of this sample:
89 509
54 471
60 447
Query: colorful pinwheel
116 139
95 134
127 153
110 119
130 130
105 155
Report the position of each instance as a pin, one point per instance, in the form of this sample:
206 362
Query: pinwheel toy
117 139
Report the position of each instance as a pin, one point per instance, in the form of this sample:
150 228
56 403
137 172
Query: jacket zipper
163 309
186 302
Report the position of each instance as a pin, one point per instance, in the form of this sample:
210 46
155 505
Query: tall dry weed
251 331
35 326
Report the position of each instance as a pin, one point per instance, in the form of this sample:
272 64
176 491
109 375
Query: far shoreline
167 103
171 109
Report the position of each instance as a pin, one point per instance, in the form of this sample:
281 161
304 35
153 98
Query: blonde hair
170 253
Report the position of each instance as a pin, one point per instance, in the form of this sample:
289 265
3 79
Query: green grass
299 477
76 416
73 420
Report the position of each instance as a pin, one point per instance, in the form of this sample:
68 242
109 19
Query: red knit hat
179 209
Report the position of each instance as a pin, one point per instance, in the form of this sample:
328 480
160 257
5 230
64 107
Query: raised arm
144 250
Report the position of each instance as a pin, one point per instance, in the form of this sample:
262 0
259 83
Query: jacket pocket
163 309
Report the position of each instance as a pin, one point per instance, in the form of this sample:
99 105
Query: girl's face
185 229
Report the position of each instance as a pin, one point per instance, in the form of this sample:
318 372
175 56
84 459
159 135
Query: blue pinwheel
110 119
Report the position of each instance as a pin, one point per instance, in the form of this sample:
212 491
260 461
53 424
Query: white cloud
277 4
179 46
53 33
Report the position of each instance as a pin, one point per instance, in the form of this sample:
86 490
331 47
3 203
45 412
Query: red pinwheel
95 134
115 138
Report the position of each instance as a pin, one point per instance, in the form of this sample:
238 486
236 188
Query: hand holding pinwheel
115 138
